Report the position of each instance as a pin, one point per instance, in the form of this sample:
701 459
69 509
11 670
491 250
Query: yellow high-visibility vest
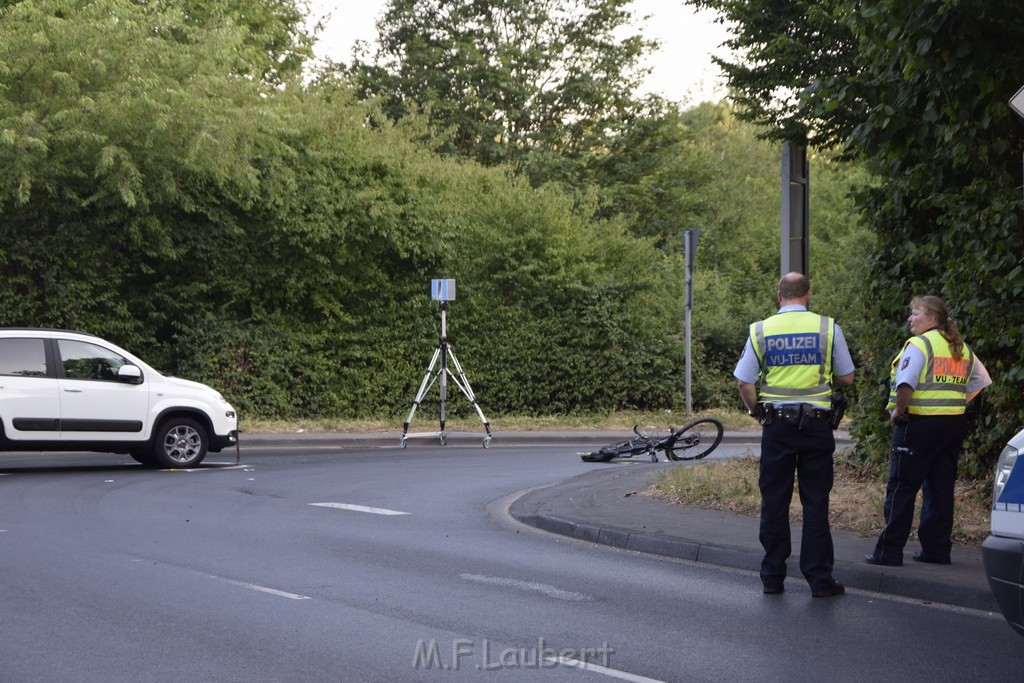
795 353
942 386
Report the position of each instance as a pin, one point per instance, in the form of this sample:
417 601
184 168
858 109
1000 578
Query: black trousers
807 453
924 457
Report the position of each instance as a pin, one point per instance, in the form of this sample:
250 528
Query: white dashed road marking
359 508
596 668
271 591
209 467
530 586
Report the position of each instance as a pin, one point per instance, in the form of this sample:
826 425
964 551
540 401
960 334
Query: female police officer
933 378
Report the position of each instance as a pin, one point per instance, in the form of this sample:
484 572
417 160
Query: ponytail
952 335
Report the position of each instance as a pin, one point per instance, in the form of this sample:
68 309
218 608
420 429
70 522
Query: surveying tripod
436 373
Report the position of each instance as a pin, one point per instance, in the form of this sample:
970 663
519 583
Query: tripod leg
424 386
462 383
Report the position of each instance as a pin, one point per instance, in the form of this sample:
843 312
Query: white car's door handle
73 390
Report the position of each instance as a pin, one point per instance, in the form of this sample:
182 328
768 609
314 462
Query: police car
1003 550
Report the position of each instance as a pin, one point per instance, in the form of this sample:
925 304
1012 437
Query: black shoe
921 557
771 588
875 559
830 591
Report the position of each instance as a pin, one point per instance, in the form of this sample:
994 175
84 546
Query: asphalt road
320 564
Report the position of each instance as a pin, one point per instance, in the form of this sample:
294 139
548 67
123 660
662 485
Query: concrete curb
889 583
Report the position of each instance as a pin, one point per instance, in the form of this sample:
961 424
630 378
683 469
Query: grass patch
856 502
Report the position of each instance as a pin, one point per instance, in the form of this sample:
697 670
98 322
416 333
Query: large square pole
795 210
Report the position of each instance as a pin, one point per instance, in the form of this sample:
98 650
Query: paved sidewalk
606 504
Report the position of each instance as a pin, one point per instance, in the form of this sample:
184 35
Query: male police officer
785 377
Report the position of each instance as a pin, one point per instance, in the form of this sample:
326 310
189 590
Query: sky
682 70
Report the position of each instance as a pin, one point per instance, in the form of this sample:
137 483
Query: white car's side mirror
131 374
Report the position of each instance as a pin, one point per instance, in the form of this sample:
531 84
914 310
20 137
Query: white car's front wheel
180 442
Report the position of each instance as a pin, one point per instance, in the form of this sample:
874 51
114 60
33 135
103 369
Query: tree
539 84
548 88
117 123
917 91
277 43
936 76
276 241
653 174
784 48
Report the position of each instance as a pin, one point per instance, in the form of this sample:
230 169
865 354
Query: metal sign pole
689 395
690 239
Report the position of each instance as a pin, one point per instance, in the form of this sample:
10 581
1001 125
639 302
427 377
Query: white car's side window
81 360
22 357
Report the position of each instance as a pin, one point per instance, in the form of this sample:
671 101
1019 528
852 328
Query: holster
765 414
838 408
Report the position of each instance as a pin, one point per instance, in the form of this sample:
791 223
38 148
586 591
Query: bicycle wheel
616 450
695 440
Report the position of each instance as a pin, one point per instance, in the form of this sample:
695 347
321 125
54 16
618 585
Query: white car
71 391
1003 551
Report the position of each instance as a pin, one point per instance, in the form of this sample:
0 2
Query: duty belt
798 414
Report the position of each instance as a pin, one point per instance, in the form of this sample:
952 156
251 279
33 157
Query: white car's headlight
1004 466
